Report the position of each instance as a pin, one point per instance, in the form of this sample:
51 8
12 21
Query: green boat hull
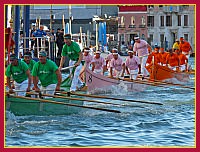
22 107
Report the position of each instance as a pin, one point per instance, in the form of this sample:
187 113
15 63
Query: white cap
114 53
137 37
114 49
130 51
86 50
98 52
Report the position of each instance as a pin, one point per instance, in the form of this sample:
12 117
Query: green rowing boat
35 106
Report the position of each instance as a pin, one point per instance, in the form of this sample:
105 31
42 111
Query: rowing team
140 58
27 73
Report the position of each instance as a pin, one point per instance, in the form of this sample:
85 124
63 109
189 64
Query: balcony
131 26
121 26
171 9
142 26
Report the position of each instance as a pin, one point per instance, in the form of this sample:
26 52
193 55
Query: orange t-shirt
182 59
157 57
185 47
149 59
173 59
163 57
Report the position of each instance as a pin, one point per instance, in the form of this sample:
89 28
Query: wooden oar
112 98
171 84
69 67
80 99
32 90
157 83
68 104
142 82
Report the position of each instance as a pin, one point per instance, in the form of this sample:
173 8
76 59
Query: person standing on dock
141 48
38 34
73 51
48 73
21 75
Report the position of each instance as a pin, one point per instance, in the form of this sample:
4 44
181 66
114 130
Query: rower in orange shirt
185 47
157 55
183 60
149 59
163 56
172 60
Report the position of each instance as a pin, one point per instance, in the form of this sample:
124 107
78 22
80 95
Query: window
150 21
179 20
150 6
168 20
122 20
162 40
143 37
143 20
132 20
151 37
161 20
185 20
186 37
122 37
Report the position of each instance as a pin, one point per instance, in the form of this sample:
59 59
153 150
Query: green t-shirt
31 64
18 72
45 72
71 51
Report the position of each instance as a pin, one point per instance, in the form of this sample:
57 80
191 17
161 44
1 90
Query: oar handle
69 67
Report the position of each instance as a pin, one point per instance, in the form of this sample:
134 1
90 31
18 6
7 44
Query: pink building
132 20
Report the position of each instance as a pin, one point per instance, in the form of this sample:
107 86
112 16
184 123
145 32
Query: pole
96 35
26 26
81 39
70 19
17 28
51 19
88 38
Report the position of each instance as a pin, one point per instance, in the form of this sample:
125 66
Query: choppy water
170 124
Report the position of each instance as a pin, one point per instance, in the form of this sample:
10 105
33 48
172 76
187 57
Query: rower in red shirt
172 60
163 56
182 59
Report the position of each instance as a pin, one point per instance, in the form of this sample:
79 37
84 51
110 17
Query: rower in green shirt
20 73
30 62
48 74
72 50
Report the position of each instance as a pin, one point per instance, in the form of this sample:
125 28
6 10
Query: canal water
138 125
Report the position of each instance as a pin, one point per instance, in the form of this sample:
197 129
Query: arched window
132 20
122 20
143 20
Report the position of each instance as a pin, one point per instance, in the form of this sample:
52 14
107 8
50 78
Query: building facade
167 23
132 20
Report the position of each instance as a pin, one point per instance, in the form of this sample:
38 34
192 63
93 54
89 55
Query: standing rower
141 48
73 51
